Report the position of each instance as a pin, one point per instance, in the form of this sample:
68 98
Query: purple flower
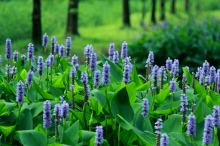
62 99
40 66
29 78
30 52
84 77
47 116
169 63
155 75
215 114
127 62
207 81
164 140
68 45
160 72
124 50
8 51
56 48
72 74
176 64
20 92
22 60
116 57
173 71
216 37
45 39
51 58
99 135
191 126
205 68
57 112
0 59
13 70
111 51
126 74
92 62
75 61
145 107
32 67
61 51
201 78
64 110
172 86
218 76
88 50
158 126
151 57
212 74
97 77
48 63
15 56
184 103
208 130
53 39
106 73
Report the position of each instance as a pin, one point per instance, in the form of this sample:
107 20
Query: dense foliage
191 43
56 101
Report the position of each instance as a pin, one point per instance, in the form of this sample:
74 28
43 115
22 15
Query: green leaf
32 138
3 109
25 117
8 86
40 129
99 96
6 129
162 95
72 132
143 87
120 105
36 108
128 137
116 72
85 136
180 137
56 92
173 124
198 112
134 76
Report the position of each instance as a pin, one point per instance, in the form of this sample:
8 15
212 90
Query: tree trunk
143 12
173 6
153 18
36 20
186 5
162 9
72 18
126 13
197 6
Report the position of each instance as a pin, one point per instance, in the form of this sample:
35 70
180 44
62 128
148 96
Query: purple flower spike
172 86
30 52
56 48
160 72
15 56
124 50
207 81
48 63
116 57
88 50
51 58
212 74
99 135
45 39
61 51
20 92
176 64
22 60
93 59
47 116
13 70
184 103
74 60
218 76
191 126
155 75
215 114
169 63
8 51
68 45
151 57
206 68
164 140
201 78
29 78
208 130
145 107
126 74
64 110
216 37
97 77
0 59
53 39
111 51
106 73
40 66
84 77
158 126
57 112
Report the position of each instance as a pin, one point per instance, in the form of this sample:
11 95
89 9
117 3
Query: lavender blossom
164 140
97 78
56 48
45 39
84 77
75 61
169 63
57 113
51 58
116 57
155 75
99 135
207 81
15 56
206 68
199 72
62 99
106 73
13 70
53 39
47 116
173 71
61 51
151 57
212 74
88 50
191 126
216 37
216 114
30 52
111 51
145 107
20 92
28 80
172 86
158 126
184 104
68 45
22 60
162 69
40 66
201 78
208 130
93 59
124 50
176 64
64 110
72 74
48 63
8 51
32 67
218 81
126 74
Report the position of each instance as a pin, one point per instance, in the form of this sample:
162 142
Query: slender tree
126 13
197 6
72 18
173 11
143 11
153 17
186 5
36 20
162 9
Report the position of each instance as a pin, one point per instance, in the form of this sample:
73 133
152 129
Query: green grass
100 22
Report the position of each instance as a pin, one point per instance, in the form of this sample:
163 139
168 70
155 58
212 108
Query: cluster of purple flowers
208 130
106 73
191 126
30 52
124 50
47 116
8 52
20 92
40 66
155 75
145 107
99 135
29 78
97 77
15 56
111 51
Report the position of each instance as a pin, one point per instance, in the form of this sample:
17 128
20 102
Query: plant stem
216 133
90 121
106 124
119 130
47 136
47 79
8 72
84 114
171 101
144 123
152 104
51 73
28 93
61 140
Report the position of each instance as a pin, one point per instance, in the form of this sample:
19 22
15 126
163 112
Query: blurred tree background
96 22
